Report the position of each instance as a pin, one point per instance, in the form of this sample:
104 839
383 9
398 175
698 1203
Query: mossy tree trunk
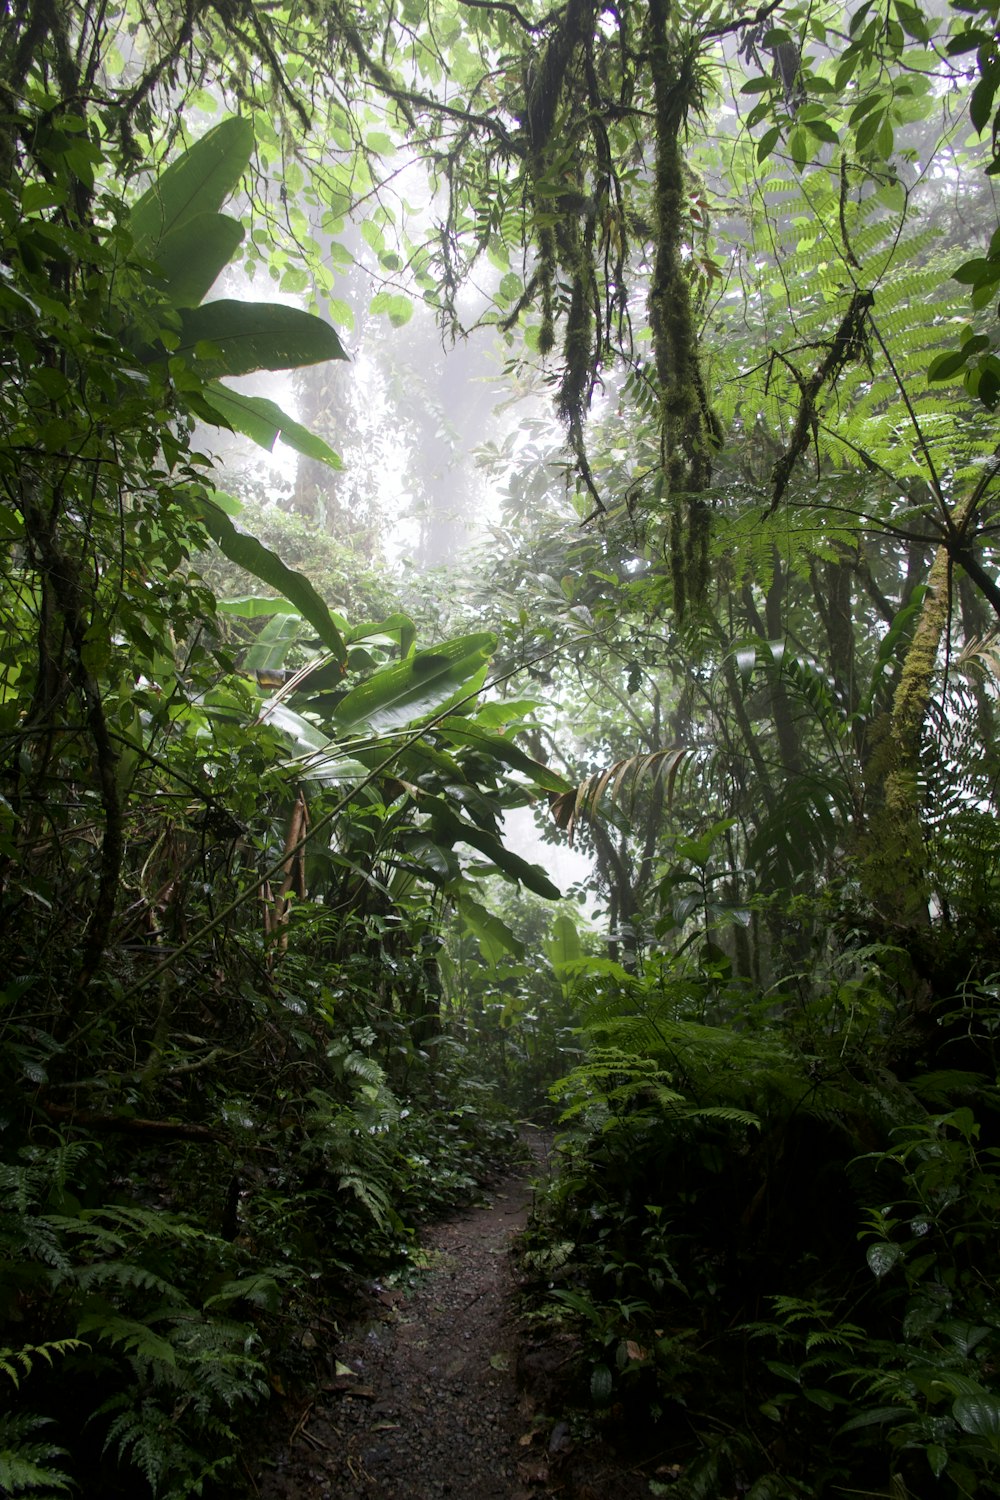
893 867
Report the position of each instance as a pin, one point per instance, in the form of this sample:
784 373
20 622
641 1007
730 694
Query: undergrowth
773 1235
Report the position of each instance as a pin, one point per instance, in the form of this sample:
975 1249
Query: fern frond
131 1334
371 1195
26 1465
16 1363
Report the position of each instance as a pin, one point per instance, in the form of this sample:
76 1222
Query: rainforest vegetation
275 981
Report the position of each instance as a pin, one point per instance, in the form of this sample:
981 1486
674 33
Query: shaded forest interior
691 579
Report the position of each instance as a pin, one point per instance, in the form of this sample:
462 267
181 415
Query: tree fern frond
621 781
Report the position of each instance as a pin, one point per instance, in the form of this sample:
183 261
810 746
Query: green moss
688 428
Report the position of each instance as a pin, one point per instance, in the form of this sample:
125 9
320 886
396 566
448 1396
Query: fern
26 1465
148 1437
16 1363
371 1194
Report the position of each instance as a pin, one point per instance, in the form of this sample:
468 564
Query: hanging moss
688 429
578 346
547 279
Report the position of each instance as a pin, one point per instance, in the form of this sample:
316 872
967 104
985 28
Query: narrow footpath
425 1399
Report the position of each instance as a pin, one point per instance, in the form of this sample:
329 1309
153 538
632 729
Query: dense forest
278 980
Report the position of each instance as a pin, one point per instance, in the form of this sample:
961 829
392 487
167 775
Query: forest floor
437 1392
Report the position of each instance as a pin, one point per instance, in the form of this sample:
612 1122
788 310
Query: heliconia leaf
248 336
563 946
198 182
399 627
255 607
264 422
271 646
450 829
498 747
247 552
191 256
409 690
493 935
306 737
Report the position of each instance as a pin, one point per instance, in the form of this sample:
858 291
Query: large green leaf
199 182
270 648
247 552
264 422
494 936
564 946
396 628
411 689
248 336
449 829
255 607
498 747
191 256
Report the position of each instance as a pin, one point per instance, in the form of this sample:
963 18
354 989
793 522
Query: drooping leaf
409 690
249 553
450 829
271 646
493 935
248 336
396 627
199 182
264 422
498 747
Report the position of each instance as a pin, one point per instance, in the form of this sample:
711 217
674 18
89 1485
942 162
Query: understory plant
783 1220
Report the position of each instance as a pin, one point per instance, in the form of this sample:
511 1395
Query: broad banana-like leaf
497 747
247 552
198 182
315 757
396 628
493 935
264 422
191 256
563 946
255 607
307 739
248 336
426 857
410 690
271 646
450 829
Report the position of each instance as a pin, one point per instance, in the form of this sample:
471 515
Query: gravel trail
425 1400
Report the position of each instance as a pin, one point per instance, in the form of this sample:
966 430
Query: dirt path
431 1406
